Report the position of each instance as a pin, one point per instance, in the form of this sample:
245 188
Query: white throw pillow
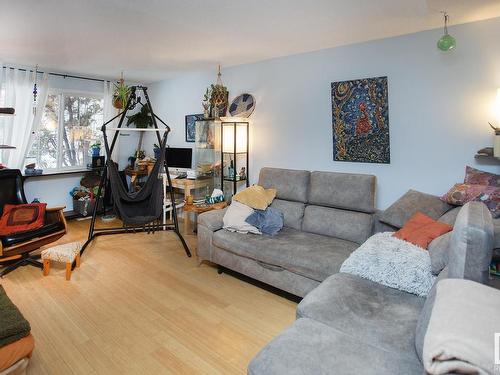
235 216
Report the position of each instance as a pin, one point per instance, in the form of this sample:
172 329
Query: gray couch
349 325
326 216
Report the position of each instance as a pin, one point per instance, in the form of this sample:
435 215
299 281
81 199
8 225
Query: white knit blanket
392 262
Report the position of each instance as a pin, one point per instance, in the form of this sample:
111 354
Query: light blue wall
439 105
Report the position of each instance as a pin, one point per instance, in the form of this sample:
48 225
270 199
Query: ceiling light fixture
446 42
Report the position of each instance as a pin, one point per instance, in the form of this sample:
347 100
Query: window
70 124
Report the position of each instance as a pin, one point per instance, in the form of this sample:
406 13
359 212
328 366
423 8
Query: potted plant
206 102
96 149
141 120
121 94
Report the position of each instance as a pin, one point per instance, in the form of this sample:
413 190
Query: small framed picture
191 126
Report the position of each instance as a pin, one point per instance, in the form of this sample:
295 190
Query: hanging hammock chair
144 206
141 210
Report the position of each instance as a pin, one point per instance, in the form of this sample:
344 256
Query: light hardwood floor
138 305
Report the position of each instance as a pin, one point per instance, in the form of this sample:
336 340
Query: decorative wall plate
242 106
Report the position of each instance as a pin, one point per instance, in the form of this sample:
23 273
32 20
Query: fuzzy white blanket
392 262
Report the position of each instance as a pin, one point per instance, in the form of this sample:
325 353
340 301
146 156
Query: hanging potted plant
121 94
141 120
219 97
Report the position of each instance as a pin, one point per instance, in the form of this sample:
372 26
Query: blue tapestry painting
360 121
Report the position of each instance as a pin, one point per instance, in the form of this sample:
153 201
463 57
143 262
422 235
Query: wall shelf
7 147
487 158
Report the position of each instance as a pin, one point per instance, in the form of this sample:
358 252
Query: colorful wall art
360 120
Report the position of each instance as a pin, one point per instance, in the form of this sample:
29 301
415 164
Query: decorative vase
96 151
496 145
157 153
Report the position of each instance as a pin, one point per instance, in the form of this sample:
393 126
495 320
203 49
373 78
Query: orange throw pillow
22 218
421 229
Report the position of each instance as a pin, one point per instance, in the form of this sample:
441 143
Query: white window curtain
109 113
19 130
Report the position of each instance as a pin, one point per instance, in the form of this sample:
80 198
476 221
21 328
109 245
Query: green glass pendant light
446 42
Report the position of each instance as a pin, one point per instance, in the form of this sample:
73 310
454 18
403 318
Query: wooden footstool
67 253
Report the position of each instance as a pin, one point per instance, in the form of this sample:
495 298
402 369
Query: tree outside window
70 125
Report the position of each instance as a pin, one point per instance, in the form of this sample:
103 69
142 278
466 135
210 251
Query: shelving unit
218 145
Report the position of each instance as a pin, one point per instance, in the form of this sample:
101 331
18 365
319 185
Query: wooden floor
138 305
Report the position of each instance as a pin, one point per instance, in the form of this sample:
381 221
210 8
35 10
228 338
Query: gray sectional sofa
349 325
326 217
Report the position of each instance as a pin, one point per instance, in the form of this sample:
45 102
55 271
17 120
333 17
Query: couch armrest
213 220
208 223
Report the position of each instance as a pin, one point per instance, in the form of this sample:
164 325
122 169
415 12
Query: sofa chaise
349 325
326 217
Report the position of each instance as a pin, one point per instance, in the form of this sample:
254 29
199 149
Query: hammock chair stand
133 226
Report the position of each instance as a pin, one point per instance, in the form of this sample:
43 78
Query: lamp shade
228 133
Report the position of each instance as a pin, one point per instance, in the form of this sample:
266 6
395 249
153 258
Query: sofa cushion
293 212
450 216
471 244
372 313
290 184
347 225
310 347
306 254
438 252
343 190
409 204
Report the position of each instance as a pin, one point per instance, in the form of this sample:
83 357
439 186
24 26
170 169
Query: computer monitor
178 157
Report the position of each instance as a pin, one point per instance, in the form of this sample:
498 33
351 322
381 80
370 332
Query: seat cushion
17 238
307 254
373 313
310 347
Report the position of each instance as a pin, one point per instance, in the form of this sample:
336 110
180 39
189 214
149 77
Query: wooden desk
183 184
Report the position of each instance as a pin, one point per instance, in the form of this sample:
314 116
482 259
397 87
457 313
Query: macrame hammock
139 211
145 206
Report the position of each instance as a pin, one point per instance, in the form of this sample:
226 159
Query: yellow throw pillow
256 197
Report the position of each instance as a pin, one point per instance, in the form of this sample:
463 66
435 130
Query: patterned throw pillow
477 177
22 218
492 201
460 194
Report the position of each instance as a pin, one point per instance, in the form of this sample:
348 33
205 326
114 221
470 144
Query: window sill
62 172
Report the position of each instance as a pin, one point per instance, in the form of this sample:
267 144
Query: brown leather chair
15 249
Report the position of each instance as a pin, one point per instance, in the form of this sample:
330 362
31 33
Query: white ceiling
154 39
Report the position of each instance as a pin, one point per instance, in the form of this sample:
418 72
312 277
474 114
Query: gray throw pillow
411 203
438 251
450 217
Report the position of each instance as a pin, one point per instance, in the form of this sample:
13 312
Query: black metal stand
93 231
25 260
